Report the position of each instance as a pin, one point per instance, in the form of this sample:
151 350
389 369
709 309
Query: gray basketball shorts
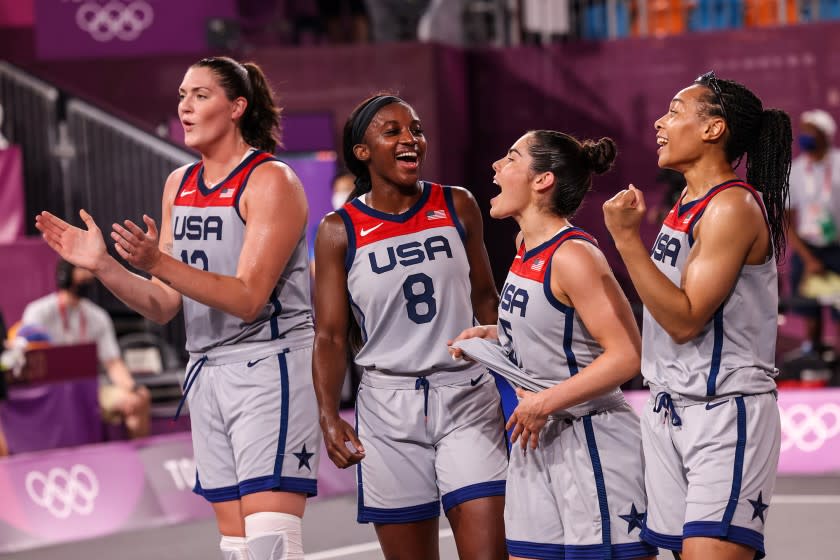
254 422
710 468
580 494
428 440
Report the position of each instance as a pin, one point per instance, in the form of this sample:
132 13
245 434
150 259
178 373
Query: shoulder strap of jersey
188 173
701 206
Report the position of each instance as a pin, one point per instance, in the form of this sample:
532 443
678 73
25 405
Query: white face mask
338 199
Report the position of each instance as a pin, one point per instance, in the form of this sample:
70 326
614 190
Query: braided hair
764 135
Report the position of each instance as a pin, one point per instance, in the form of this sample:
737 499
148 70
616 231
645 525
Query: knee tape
274 536
233 548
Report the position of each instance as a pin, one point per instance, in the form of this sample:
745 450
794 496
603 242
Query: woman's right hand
488 332
337 434
84 248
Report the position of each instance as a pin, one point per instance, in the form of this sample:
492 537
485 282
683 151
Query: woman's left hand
528 419
139 248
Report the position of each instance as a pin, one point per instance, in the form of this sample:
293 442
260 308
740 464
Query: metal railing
116 172
31 109
76 155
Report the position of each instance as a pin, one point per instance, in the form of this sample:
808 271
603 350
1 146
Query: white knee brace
273 536
233 548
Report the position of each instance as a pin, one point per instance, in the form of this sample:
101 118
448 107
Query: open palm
81 247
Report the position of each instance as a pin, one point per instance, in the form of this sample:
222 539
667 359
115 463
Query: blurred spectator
443 22
395 20
814 215
342 186
674 185
3 142
344 21
68 317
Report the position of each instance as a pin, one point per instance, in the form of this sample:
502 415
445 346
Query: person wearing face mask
69 317
814 216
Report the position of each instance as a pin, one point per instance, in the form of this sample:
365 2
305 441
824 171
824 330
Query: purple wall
476 103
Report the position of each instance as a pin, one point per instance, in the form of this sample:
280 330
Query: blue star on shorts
759 507
303 457
634 519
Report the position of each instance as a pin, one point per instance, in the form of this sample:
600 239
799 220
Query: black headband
366 114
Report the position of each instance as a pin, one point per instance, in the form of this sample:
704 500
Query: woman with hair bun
232 252
575 487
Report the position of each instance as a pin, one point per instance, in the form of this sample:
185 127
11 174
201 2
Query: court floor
804 524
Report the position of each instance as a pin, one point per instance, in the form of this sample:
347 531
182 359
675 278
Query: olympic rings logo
808 429
114 19
62 492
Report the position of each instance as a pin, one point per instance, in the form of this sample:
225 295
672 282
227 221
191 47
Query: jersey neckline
398 218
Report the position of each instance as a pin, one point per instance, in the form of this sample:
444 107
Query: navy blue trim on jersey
270 483
538 551
738 470
450 204
717 352
408 514
351 238
626 551
274 300
549 295
545 244
473 492
668 542
202 187
601 489
398 218
567 342
186 176
284 417
215 495
696 217
360 494
245 184
361 313
507 400
740 535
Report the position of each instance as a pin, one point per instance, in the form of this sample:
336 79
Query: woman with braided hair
711 433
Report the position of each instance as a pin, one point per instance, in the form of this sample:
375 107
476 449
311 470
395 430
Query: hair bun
600 154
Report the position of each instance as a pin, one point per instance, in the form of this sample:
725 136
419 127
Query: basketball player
711 432
408 257
575 487
232 252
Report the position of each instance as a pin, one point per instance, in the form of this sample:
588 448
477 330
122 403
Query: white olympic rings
62 492
808 429
115 19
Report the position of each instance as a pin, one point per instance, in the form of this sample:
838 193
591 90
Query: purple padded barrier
51 416
71 494
27 272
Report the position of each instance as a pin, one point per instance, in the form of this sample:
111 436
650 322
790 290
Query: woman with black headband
407 257
232 252
711 431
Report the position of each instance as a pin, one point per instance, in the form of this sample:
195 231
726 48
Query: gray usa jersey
735 351
208 232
